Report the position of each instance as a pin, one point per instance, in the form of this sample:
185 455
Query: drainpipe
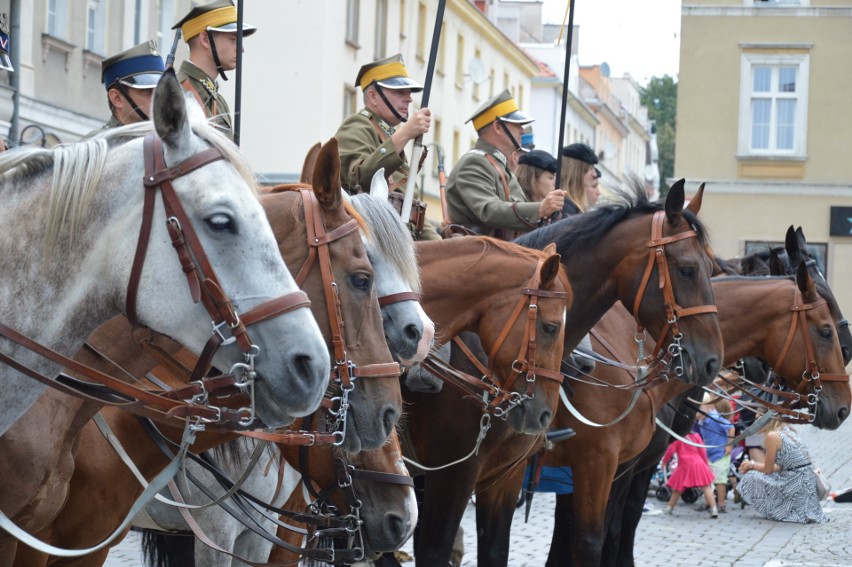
15 57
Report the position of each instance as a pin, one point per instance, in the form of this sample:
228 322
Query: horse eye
826 332
220 222
687 272
551 329
361 282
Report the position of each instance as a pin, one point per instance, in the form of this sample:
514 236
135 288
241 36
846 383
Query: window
96 26
520 97
402 34
381 29
353 7
165 21
476 89
819 251
421 31
460 61
456 145
57 18
773 105
350 100
436 132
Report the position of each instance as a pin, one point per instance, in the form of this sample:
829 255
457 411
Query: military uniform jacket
205 90
111 123
364 150
476 195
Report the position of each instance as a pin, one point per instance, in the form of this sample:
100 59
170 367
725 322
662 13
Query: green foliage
660 97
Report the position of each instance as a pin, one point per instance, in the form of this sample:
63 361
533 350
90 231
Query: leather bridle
661 356
811 376
203 286
495 395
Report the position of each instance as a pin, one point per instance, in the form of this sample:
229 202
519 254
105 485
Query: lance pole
238 88
170 58
568 48
424 103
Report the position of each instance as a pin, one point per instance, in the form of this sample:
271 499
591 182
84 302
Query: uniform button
383 150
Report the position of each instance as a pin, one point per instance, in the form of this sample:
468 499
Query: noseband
661 356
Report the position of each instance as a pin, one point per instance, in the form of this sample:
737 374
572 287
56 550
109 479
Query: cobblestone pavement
738 538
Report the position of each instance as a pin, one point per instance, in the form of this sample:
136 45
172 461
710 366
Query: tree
660 97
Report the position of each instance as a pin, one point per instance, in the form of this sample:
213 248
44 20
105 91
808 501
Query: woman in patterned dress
783 487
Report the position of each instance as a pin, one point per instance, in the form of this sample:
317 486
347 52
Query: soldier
130 78
483 194
210 31
375 137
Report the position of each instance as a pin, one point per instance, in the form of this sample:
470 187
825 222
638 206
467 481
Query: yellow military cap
389 73
218 16
139 67
502 106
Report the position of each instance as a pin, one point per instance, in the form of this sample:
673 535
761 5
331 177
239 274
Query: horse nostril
545 417
843 413
396 529
847 354
413 333
712 366
389 418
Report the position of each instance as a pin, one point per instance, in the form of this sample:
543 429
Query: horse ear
171 120
790 242
776 265
310 162
379 185
549 270
803 244
695 203
805 283
326 177
674 202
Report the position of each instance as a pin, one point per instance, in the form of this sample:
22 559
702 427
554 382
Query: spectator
783 487
717 432
692 470
579 178
536 174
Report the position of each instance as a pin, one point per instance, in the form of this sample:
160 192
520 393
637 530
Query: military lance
424 103
568 47
238 88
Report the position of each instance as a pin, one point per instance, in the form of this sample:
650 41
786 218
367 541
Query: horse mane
579 232
389 235
77 170
517 249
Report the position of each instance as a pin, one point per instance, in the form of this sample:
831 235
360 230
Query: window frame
819 251
96 31
380 46
353 24
59 29
749 61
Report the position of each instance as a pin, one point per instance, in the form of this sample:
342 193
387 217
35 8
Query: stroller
664 493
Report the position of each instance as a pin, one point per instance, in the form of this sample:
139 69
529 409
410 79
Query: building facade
761 119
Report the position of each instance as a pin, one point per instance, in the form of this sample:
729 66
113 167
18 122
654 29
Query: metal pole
568 47
238 88
15 58
424 103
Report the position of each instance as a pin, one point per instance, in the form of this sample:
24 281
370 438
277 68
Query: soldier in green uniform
483 194
210 31
130 78
375 137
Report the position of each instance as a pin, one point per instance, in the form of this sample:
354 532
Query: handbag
822 485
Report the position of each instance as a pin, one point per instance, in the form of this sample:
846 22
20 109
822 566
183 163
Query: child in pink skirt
693 470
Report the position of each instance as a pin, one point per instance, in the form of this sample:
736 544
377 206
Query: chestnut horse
85 519
755 317
605 253
74 213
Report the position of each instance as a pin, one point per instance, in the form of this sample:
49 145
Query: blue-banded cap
139 67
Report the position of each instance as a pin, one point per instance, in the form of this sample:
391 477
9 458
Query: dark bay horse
605 253
755 315
75 212
94 509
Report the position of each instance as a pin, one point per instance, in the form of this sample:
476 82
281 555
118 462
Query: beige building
58 46
763 117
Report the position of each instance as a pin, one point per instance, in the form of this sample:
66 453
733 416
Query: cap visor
400 83
517 117
248 29
142 81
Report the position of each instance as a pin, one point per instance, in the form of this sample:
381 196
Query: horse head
408 330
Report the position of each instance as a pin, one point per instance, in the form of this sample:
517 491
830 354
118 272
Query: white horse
71 218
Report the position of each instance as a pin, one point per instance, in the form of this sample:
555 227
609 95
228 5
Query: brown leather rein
204 287
489 389
811 376
663 357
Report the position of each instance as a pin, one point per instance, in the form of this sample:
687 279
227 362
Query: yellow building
763 117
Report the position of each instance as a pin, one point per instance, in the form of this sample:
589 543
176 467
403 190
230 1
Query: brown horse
86 519
755 316
605 253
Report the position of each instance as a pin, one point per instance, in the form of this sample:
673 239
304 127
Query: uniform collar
386 128
492 149
199 75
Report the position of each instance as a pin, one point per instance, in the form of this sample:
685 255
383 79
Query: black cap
540 159
581 152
